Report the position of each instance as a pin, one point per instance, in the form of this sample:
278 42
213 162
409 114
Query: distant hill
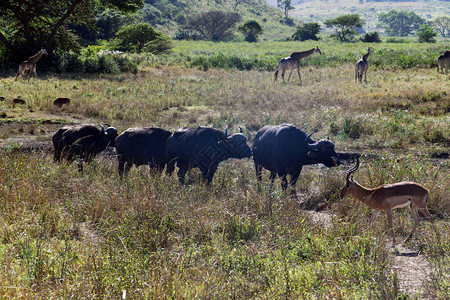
321 10
169 15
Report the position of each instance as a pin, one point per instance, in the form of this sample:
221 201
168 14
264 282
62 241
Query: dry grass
64 234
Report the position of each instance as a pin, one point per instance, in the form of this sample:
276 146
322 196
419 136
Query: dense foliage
400 23
35 24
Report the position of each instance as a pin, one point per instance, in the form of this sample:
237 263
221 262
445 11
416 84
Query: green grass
65 234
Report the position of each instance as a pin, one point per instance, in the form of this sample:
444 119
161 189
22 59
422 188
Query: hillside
321 10
169 16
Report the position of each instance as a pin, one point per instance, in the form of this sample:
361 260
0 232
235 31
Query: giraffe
30 64
443 61
361 67
293 62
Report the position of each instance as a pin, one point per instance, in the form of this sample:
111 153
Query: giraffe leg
289 78
34 71
300 77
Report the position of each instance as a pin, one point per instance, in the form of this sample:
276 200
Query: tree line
61 26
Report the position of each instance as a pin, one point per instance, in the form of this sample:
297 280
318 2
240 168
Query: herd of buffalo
283 149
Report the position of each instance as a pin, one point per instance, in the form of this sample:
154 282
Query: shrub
426 34
69 62
371 37
308 31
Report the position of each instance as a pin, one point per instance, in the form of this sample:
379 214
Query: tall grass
92 235
64 235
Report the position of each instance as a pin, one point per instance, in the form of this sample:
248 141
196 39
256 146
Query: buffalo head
322 152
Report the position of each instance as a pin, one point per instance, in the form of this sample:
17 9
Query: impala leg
389 220
374 216
365 76
415 216
427 214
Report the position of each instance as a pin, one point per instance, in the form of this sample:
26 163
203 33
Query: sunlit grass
92 235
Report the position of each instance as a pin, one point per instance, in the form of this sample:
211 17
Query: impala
389 196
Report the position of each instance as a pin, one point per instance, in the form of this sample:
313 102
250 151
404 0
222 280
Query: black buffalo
285 149
203 148
142 146
82 142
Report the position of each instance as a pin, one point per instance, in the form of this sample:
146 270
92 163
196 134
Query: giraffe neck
33 59
299 55
365 56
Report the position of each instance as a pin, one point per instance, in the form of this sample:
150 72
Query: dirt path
413 269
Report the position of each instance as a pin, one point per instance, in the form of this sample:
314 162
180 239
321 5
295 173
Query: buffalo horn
240 129
226 132
306 139
103 128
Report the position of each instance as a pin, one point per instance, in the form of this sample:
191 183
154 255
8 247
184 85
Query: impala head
318 50
349 182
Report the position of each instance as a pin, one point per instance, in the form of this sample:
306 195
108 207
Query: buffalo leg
258 170
182 173
272 178
170 167
121 166
294 178
208 174
284 183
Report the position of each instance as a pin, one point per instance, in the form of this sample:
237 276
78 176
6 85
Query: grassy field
65 234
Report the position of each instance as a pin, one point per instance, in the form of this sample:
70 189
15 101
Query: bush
69 62
92 65
371 37
308 31
426 34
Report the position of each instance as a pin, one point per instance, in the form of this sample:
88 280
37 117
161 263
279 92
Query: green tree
285 6
400 23
307 31
142 36
441 24
33 24
344 26
251 30
426 34
213 25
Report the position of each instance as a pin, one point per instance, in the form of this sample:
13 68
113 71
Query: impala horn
352 169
